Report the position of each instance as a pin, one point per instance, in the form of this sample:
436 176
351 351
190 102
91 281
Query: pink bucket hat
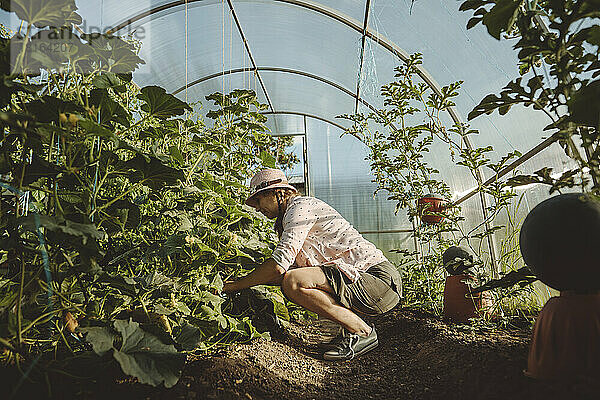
267 179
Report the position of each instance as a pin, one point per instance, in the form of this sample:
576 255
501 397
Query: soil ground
419 357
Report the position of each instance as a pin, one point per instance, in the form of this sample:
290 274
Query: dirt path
419 357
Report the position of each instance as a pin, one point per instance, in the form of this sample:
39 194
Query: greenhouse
292 198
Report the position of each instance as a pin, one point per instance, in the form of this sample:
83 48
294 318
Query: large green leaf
124 284
111 80
113 53
584 105
100 338
123 215
267 159
188 337
152 172
110 110
523 276
160 104
502 17
155 280
48 108
176 155
73 233
185 223
93 129
48 48
38 168
42 13
145 357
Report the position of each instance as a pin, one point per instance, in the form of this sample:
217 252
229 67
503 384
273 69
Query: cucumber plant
121 211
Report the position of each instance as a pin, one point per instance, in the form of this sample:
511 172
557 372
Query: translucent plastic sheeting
117 11
198 92
458 178
99 15
209 47
288 36
531 195
11 21
521 129
290 92
110 13
392 241
297 148
352 8
437 29
512 218
285 124
340 176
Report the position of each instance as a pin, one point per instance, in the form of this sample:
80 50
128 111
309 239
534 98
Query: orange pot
459 303
429 204
566 338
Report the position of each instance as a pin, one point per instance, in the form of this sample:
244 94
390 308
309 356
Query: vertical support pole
417 243
307 187
589 154
480 181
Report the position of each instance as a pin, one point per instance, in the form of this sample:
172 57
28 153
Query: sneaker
352 345
335 342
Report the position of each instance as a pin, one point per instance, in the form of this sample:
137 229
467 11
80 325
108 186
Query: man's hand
268 273
229 287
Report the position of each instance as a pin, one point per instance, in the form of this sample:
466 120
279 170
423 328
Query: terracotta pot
459 303
566 338
430 204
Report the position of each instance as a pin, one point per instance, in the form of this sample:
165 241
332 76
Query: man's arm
268 273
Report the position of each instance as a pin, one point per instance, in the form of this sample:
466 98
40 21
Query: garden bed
419 357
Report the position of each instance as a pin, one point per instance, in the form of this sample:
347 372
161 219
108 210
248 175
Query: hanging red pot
429 208
459 303
566 338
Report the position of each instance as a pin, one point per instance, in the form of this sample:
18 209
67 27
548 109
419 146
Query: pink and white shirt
315 234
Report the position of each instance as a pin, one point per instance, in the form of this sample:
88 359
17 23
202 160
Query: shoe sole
363 351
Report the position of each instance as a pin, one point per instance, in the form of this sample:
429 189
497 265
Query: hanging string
38 227
185 118
98 148
45 260
223 61
230 48
186 55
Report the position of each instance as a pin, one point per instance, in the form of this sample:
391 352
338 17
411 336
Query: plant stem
19 300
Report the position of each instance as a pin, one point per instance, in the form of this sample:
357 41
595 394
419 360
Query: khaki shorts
376 291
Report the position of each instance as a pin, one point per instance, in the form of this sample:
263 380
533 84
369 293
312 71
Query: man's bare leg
308 287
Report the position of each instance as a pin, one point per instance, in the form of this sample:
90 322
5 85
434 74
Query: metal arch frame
362 52
277 69
247 46
303 114
366 32
318 8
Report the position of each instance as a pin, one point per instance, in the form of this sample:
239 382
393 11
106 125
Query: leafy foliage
412 122
43 13
558 46
121 212
140 354
408 126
